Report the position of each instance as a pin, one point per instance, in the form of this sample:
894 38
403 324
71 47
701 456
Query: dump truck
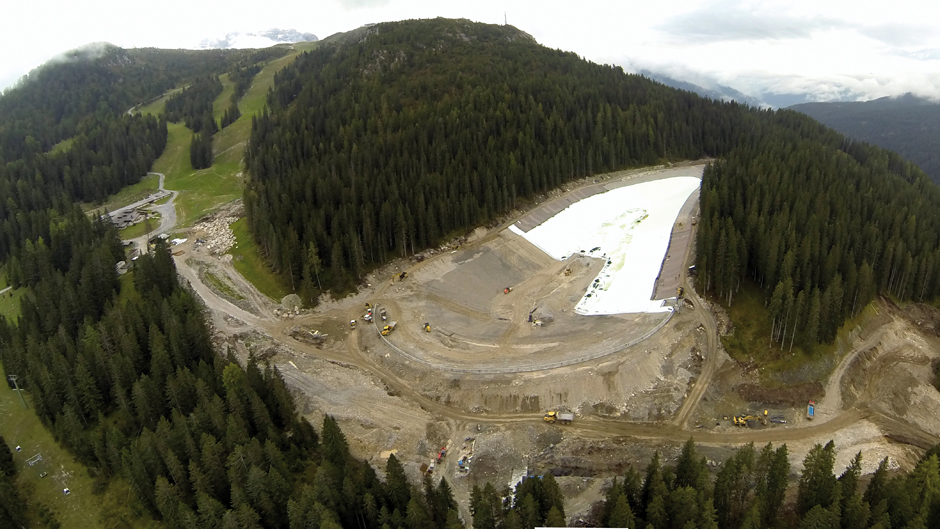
811 410
389 328
553 416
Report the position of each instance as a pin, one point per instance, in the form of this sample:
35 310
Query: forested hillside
381 147
906 124
384 146
822 230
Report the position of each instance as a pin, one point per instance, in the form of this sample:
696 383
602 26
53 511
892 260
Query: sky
828 49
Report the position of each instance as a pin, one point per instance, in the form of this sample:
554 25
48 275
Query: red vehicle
442 454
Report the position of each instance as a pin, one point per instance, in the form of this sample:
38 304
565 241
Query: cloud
896 34
733 22
361 4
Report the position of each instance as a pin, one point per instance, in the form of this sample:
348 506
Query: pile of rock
219 237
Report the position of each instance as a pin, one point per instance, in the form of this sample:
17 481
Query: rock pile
219 237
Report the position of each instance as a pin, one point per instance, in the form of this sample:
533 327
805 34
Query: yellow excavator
427 327
741 421
568 271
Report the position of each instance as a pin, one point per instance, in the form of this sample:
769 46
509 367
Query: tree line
751 491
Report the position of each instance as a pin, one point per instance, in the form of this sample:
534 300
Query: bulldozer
427 327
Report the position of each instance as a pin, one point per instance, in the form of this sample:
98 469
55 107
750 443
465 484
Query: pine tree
621 516
6 459
555 518
817 482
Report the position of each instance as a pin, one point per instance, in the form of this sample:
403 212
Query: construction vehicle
352 324
402 276
811 410
382 312
507 290
564 417
427 327
742 421
369 306
679 292
568 271
389 328
441 454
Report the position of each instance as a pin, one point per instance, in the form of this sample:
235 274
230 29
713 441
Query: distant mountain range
261 39
711 88
907 124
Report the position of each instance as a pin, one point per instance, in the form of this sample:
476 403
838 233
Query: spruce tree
6 459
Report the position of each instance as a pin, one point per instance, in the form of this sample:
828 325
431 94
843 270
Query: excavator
507 290
568 271
427 327
741 421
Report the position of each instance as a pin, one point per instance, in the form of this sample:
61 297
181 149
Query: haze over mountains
260 39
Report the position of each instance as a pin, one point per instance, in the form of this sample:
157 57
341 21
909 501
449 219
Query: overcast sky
862 49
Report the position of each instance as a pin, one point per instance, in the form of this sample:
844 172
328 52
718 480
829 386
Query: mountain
906 124
261 39
719 93
381 146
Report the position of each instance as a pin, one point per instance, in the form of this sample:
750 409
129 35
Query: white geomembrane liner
632 226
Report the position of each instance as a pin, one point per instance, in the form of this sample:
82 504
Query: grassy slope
202 191
248 262
10 303
751 339
80 509
129 194
139 229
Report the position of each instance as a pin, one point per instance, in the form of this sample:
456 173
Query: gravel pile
219 237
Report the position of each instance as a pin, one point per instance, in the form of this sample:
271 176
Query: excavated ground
479 382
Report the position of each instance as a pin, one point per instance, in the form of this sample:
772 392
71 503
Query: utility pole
18 391
504 19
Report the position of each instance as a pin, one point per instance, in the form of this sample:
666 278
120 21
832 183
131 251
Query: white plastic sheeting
631 226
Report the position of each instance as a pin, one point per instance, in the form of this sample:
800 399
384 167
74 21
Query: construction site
473 362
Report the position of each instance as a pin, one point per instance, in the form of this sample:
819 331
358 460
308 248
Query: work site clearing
487 341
